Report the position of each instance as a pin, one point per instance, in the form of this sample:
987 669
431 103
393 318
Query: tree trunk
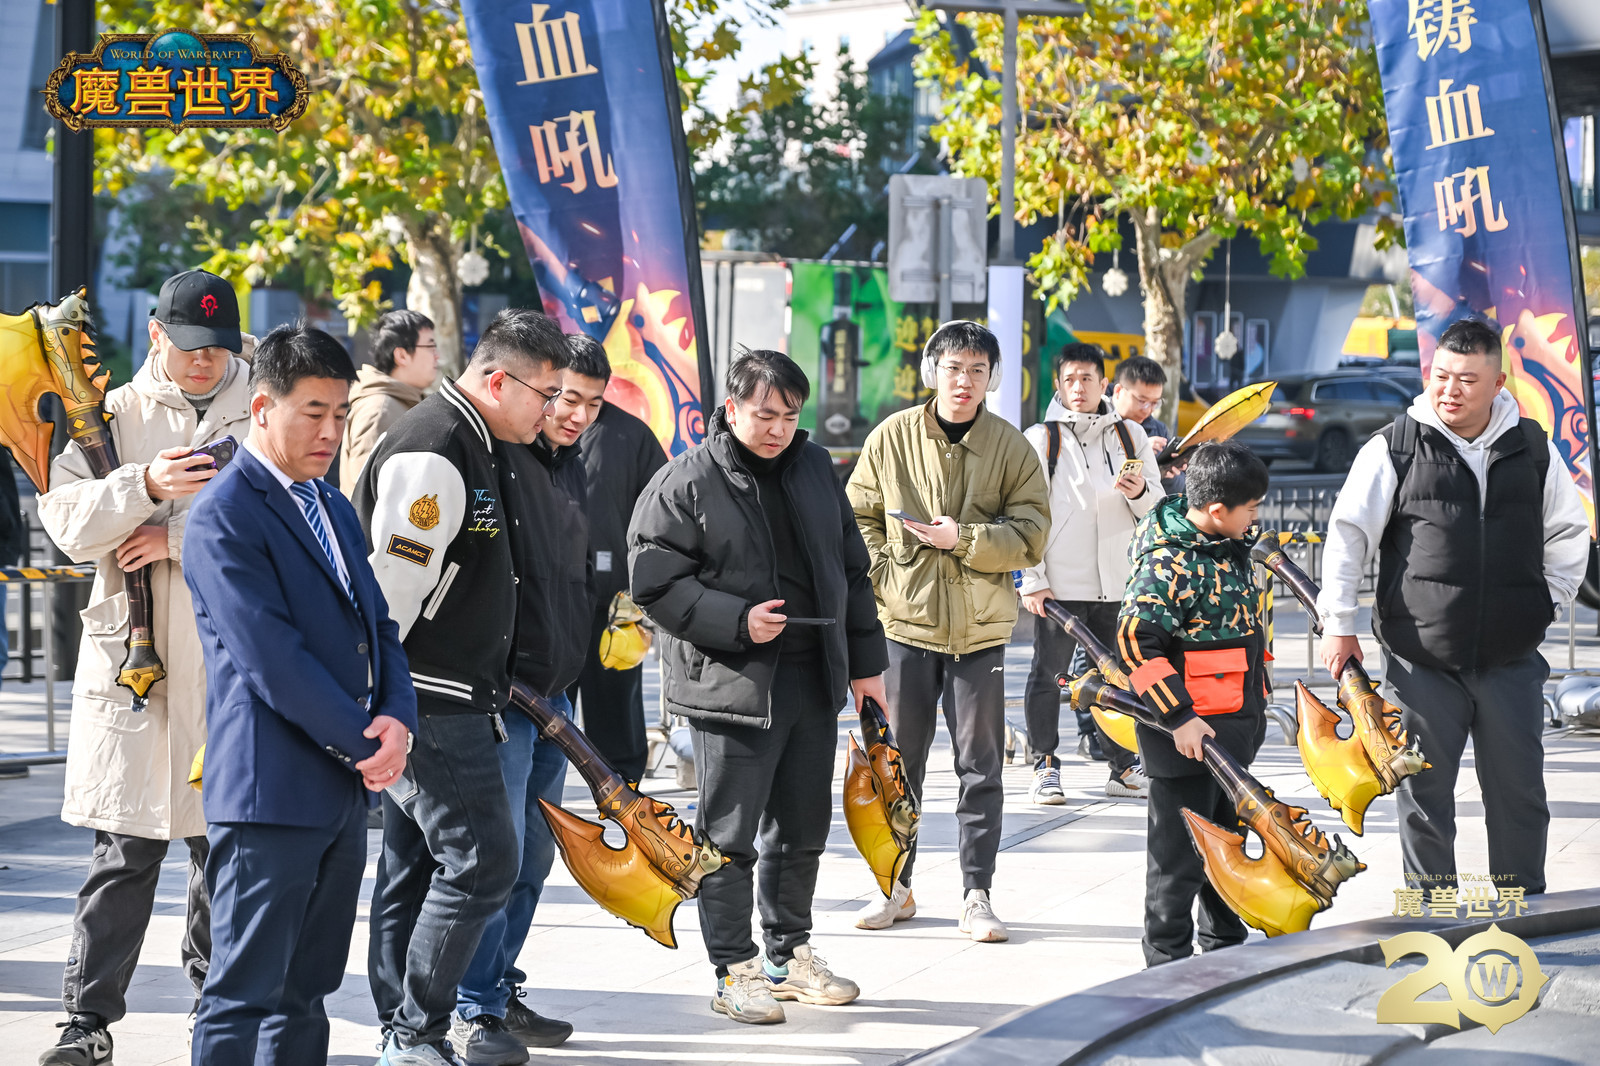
435 289
1164 279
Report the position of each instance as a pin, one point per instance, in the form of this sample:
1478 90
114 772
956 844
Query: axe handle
554 726
1269 553
1079 631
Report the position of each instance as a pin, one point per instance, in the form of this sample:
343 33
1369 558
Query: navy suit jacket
286 652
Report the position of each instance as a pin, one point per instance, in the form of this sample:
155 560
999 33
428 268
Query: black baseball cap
199 310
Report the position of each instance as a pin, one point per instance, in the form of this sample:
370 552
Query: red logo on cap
208 304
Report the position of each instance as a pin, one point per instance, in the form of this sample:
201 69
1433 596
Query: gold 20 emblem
425 512
1493 978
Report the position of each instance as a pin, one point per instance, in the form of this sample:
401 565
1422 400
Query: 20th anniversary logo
1493 978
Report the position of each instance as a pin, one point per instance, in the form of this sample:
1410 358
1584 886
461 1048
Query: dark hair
1092 354
1225 472
963 337
1471 336
519 338
397 329
752 369
586 357
290 354
1140 370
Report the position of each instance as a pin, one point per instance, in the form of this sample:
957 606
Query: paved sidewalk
1070 884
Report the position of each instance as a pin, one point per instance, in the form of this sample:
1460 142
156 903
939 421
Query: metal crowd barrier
47 578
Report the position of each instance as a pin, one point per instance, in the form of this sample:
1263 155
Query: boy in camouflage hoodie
1194 647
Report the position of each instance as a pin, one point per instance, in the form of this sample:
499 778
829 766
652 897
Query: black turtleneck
794 566
954 430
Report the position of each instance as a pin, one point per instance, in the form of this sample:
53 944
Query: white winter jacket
128 772
1091 523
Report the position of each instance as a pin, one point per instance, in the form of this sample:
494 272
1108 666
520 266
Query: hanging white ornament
1226 345
473 269
393 228
1115 280
1300 168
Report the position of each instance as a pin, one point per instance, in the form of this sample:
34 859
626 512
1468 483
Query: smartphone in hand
904 517
1130 466
220 451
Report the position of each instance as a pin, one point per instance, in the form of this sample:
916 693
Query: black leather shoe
486 1042
533 1029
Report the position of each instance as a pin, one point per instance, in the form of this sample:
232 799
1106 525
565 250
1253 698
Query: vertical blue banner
1488 212
582 101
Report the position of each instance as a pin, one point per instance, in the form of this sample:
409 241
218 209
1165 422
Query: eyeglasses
548 397
974 372
424 346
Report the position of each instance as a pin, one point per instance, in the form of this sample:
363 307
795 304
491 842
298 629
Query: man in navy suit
309 708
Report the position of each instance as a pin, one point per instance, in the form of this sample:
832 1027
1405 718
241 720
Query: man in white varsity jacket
440 508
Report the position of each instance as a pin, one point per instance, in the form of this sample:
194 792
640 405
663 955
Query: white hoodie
1362 511
1091 523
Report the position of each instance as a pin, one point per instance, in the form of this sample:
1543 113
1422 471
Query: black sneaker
485 1042
533 1029
85 1042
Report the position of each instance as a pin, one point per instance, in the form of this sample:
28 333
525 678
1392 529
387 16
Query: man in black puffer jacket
732 544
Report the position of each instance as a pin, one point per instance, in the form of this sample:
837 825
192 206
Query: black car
1326 418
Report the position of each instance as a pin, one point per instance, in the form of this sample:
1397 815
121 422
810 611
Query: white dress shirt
327 521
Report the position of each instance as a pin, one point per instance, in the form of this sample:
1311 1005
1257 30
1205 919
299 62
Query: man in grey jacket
745 552
1480 535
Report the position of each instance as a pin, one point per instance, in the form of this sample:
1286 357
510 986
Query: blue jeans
534 769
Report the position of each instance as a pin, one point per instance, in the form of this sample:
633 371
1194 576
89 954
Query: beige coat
128 772
376 400
962 600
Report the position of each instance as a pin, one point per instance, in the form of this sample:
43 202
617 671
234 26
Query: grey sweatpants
112 914
973 690
1502 710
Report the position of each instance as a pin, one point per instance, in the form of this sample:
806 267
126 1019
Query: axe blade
621 880
1338 768
1261 891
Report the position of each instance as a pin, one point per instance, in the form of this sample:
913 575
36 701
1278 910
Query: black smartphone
221 452
906 517
809 621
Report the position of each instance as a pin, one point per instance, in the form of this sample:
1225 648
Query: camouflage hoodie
1191 637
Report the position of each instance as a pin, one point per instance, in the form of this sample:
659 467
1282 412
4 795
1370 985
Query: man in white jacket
1096 496
127 774
1480 535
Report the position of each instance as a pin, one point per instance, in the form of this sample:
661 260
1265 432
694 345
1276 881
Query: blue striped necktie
305 494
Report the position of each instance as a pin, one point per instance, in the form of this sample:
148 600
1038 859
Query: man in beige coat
127 771
405 364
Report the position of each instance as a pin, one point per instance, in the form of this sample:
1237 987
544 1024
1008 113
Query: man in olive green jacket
976 508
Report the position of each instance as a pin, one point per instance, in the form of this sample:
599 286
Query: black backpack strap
1054 448
1126 438
1402 437
1539 444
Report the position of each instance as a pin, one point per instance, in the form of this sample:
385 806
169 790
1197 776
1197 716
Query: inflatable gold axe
1222 420
1348 772
662 862
1299 870
878 807
1119 727
45 350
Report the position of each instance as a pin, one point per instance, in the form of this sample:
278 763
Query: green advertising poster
862 350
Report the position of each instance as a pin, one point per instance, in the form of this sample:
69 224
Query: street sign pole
1006 280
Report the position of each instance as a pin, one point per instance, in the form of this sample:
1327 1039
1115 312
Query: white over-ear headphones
930 372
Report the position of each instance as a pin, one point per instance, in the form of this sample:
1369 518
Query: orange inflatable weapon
1222 420
46 350
1299 870
1348 772
1119 727
661 863
879 809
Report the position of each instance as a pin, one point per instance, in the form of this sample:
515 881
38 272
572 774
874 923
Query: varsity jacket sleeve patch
420 506
1149 631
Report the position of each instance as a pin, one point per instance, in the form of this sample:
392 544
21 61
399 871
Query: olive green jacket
962 600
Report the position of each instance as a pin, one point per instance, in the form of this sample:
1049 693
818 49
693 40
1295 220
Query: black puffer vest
1462 587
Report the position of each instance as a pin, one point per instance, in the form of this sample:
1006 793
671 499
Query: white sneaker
898 907
808 979
1131 784
978 920
746 996
1046 790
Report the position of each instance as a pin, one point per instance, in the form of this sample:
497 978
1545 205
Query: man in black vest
1480 535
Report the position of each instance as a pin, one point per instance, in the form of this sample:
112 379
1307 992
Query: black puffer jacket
620 456
553 601
700 556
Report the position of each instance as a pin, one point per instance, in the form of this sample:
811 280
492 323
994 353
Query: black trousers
972 689
1175 876
1052 655
1502 710
113 913
776 782
612 705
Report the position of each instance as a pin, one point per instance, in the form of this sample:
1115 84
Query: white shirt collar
272 468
